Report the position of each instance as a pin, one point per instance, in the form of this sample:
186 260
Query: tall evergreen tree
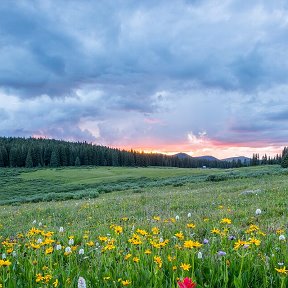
13 157
54 161
29 161
77 161
284 162
2 164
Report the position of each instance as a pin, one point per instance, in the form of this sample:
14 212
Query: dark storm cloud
144 68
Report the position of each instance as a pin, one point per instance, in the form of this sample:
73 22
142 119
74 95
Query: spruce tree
54 161
1 159
77 161
29 161
13 157
284 162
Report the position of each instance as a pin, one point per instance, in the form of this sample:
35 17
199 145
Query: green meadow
144 227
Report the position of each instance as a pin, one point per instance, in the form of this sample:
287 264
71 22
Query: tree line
256 160
32 152
38 152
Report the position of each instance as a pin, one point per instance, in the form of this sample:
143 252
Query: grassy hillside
35 185
151 236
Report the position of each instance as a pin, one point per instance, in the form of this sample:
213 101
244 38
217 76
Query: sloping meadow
217 233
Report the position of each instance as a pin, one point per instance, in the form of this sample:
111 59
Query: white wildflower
61 229
81 251
81 282
68 249
258 211
39 240
58 247
199 255
282 238
177 217
189 215
40 224
3 256
71 241
34 222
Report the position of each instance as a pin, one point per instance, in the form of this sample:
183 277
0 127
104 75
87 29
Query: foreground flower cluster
156 252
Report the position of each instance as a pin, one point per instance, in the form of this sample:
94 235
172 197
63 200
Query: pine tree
1 159
13 157
284 162
54 161
29 161
77 161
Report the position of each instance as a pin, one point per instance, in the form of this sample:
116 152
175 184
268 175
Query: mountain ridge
183 155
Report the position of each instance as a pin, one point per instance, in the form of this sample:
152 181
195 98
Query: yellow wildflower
103 238
280 231
158 261
226 221
55 283
240 243
49 250
125 282
252 228
5 263
35 246
155 230
185 267
127 256
136 259
142 232
282 270
90 243
39 277
118 229
179 235
48 241
255 241
215 231
192 244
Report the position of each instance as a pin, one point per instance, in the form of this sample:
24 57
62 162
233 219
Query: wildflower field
226 233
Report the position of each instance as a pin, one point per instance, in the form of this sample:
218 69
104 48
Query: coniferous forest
32 152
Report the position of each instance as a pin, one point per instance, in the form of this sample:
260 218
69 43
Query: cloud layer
195 76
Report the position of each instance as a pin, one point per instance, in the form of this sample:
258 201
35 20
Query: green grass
36 185
233 194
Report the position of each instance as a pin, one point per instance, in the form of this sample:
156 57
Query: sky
203 77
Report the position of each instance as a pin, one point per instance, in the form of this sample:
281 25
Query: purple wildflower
221 253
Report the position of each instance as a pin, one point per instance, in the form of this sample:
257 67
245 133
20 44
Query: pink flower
187 283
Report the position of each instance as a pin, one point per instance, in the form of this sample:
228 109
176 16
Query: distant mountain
182 155
241 158
207 157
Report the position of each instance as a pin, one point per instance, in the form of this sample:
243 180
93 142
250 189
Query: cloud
127 73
